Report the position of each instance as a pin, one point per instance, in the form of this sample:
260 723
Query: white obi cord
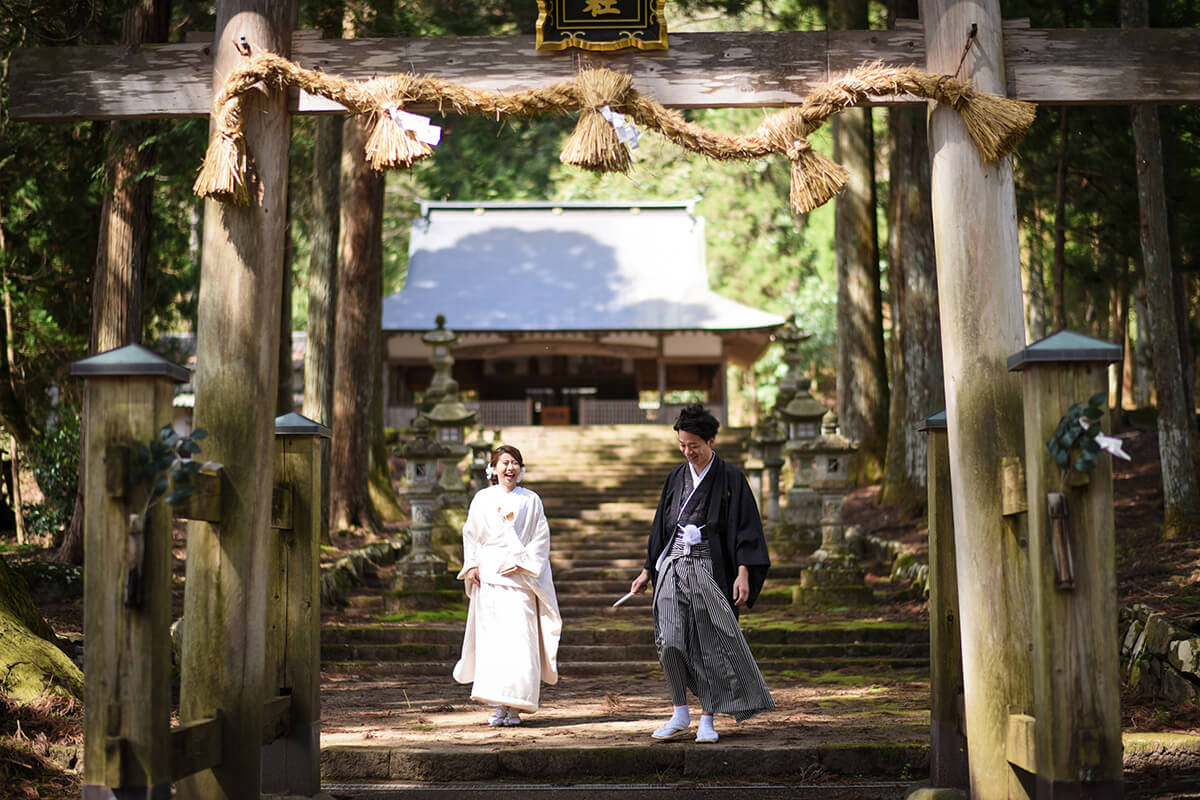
688 534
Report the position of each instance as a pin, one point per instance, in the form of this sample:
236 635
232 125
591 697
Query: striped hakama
700 645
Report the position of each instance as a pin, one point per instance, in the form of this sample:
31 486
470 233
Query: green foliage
166 463
54 458
1074 445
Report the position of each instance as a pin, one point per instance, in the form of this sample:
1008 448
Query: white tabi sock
706 725
682 717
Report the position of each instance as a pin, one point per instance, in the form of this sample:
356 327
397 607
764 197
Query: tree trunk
1187 354
916 333
1176 423
322 270
284 402
353 387
1060 225
862 388
322 285
1143 370
383 491
124 242
31 662
1120 333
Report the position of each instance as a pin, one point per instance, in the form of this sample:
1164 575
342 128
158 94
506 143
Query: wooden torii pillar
237 335
979 294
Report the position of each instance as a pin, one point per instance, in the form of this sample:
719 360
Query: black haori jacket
733 527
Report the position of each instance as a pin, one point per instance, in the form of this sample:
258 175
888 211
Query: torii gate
978 282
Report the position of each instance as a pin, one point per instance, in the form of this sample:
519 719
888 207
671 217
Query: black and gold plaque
601 24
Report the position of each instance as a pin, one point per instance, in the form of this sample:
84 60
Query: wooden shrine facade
566 313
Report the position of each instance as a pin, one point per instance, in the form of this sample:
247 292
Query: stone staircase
600 486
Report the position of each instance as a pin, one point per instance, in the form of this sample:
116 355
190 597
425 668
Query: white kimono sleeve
471 539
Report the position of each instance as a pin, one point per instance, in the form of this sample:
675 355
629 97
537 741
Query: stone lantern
481 456
772 439
415 580
789 337
754 467
802 418
449 419
421 454
834 575
439 340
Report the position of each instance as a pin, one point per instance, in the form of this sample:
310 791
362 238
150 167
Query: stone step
613 588
591 561
448 766
606 572
623 669
602 633
590 656
578 544
617 559
712 788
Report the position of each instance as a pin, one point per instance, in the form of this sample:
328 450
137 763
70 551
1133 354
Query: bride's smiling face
507 470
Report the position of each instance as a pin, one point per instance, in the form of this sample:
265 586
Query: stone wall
1160 657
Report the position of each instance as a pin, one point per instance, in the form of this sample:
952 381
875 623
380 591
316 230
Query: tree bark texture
1119 333
284 402
916 332
31 662
862 367
322 286
353 384
1060 224
862 393
979 292
1187 354
124 242
1176 420
380 486
1176 425
322 270
1033 280
1143 356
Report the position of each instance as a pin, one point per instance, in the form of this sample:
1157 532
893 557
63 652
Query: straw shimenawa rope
995 124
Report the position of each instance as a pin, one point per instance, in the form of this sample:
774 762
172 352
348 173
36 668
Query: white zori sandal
504 717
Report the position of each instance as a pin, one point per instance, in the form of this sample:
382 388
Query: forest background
100 233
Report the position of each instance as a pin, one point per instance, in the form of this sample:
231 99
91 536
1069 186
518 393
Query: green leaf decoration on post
1078 440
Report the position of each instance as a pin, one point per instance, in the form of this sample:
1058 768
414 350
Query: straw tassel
223 173
391 146
995 124
594 145
814 178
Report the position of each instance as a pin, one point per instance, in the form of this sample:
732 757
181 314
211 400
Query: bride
510 645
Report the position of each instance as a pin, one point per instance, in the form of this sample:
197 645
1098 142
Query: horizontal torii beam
1092 66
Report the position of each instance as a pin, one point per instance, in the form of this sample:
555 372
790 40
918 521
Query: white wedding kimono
513 625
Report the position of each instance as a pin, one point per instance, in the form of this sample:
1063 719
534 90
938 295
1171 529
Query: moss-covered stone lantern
772 438
416 580
449 419
833 575
802 515
481 456
790 337
421 454
440 339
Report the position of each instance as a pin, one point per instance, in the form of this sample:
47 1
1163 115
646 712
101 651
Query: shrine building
581 313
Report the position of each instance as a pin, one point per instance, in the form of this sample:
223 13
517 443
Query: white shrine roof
563 267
